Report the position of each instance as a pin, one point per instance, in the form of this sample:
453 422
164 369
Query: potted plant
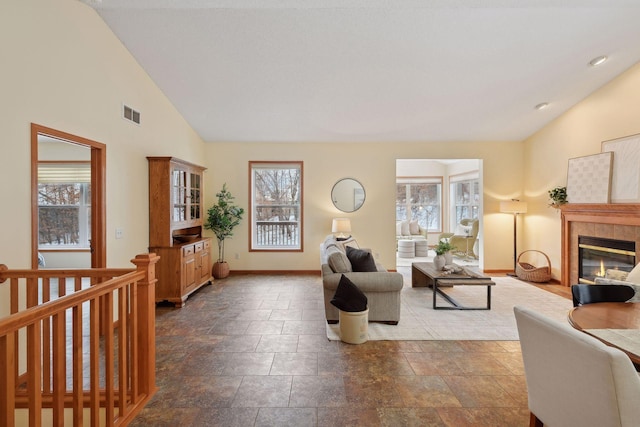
558 197
443 249
222 218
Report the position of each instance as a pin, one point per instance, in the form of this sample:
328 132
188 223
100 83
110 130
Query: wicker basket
530 273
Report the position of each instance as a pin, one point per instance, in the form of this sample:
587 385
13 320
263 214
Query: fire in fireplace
597 256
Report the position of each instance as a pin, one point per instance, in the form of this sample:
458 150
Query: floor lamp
515 207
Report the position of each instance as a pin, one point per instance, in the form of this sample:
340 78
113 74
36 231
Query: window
64 205
276 206
420 199
465 194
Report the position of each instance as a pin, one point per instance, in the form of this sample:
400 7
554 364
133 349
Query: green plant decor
443 247
558 196
222 218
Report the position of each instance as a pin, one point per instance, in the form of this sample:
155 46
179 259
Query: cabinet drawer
207 244
199 246
187 250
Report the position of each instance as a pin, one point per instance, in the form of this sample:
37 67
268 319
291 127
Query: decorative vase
448 258
439 262
220 270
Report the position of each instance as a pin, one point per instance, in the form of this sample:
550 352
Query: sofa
410 230
382 288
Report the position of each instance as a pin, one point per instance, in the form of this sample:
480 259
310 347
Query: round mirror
348 195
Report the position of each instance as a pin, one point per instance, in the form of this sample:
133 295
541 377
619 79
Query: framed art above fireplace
589 178
625 179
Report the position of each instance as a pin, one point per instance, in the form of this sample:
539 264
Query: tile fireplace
613 221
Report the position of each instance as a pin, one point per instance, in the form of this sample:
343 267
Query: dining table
615 323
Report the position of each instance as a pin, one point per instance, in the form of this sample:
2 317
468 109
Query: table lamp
341 226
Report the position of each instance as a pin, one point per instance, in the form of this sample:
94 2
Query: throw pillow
338 261
634 275
414 228
361 260
463 230
349 297
405 228
330 240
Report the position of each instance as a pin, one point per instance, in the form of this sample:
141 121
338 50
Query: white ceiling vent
130 114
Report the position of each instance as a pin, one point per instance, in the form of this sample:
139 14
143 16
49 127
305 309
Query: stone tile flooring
251 350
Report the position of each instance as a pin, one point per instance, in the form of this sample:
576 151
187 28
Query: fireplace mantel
611 220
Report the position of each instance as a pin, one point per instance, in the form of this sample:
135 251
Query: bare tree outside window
276 206
466 196
421 201
64 207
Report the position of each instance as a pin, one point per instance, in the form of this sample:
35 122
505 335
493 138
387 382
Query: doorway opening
68 200
439 199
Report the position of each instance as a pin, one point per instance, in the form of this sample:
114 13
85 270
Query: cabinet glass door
195 196
179 195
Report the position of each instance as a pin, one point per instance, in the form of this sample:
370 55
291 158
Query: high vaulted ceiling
375 70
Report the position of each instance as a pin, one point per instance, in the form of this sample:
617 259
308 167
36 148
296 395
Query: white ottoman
406 249
421 248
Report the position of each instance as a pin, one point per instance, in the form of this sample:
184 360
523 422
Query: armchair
464 237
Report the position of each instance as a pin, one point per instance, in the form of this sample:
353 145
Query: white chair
573 379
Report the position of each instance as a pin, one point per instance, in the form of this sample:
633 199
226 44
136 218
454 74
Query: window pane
276 206
59 194
420 201
64 208
58 225
466 195
401 202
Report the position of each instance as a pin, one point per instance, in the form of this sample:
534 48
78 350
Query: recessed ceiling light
597 61
542 106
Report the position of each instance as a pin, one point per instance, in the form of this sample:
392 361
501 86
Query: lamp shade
513 207
341 225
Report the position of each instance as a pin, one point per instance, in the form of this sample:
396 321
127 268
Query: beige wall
610 112
374 165
63 68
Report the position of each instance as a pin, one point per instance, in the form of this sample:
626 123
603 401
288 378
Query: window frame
473 179
83 207
273 164
417 180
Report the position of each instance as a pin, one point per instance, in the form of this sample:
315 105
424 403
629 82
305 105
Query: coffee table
424 274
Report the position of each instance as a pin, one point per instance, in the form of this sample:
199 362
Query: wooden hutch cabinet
175 228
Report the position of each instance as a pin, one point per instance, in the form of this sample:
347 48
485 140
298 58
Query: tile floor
251 350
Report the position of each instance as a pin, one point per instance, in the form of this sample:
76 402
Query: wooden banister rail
77 341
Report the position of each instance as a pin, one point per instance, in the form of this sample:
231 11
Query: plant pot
448 258
439 262
220 270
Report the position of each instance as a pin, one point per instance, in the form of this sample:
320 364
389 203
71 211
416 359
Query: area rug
419 321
